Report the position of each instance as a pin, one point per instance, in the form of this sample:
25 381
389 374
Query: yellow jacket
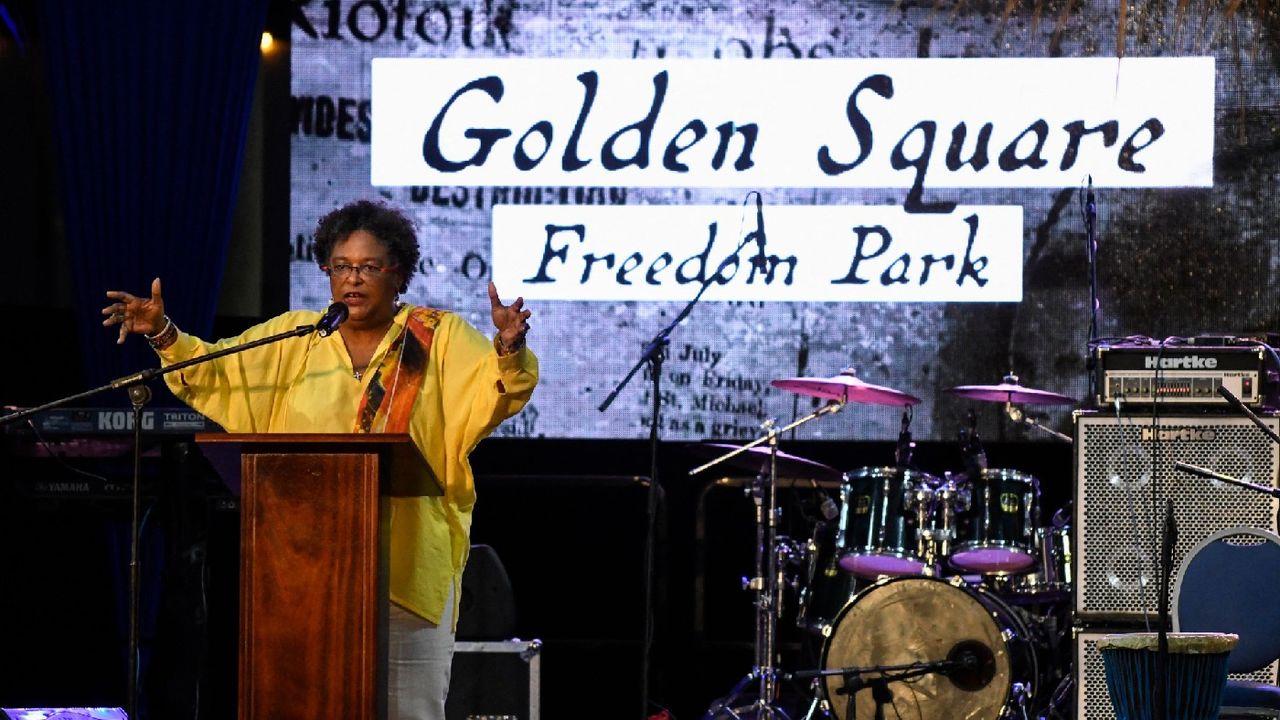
307 385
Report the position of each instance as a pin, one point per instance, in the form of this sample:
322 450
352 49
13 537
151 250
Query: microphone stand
1091 252
139 396
1253 417
855 680
1015 414
1238 405
1207 473
1162 636
653 355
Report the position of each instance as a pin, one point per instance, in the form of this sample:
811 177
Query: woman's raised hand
135 314
512 321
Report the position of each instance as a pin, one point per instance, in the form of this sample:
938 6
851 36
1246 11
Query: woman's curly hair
390 226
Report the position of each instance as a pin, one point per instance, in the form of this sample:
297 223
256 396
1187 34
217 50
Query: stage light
267 42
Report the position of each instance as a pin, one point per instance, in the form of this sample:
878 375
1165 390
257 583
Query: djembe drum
1196 669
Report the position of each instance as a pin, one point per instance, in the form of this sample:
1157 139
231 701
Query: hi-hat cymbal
846 387
1010 392
756 461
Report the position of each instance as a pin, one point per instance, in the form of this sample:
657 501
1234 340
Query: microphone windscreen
334 316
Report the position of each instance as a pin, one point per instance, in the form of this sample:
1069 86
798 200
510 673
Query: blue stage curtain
150 107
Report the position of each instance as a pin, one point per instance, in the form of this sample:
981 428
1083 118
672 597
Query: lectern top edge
405 472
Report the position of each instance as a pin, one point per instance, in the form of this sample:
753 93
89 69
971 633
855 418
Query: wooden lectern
313 561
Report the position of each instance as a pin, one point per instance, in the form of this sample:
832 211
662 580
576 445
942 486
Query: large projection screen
922 167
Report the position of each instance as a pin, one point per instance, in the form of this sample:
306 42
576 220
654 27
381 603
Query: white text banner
918 123
806 253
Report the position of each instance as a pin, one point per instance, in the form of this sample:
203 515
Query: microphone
759 215
1090 206
902 454
973 454
331 319
802 357
973 665
757 235
829 509
1062 517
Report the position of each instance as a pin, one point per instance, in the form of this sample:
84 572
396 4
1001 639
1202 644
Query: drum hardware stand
1059 699
811 568
934 545
819 703
767 580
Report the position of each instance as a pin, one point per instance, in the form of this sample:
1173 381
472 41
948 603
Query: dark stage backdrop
1184 249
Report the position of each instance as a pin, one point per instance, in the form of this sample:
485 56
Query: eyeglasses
342 271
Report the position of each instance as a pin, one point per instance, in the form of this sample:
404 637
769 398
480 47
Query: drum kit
935 596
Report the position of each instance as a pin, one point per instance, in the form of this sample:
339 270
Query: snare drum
878 523
900 621
997 523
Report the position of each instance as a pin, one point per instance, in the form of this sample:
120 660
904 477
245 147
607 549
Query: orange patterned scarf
388 401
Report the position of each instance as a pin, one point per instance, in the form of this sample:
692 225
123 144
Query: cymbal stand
766 583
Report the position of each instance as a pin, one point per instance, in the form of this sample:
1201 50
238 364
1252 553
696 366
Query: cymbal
846 387
1010 392
756 460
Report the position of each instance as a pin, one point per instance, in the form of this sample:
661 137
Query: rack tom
998 517
878 521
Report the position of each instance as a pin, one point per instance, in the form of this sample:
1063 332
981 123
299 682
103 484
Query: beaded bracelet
503 350
165 337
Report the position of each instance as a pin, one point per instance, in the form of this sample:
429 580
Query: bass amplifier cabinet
1091 699
1123 475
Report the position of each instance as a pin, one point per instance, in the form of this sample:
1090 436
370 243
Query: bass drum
905 620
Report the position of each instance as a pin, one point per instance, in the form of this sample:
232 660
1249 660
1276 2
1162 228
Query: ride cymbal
1010 393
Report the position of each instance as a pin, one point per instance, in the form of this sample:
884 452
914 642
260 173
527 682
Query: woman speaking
391 367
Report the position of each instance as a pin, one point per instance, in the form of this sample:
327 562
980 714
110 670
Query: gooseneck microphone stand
1211 475
139 396
653 355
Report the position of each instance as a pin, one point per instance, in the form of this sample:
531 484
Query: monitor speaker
1123 475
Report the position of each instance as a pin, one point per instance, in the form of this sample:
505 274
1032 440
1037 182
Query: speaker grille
1092 702
1117 532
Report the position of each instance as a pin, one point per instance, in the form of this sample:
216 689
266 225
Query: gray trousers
419 657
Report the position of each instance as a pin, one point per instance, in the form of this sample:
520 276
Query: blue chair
1230 583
